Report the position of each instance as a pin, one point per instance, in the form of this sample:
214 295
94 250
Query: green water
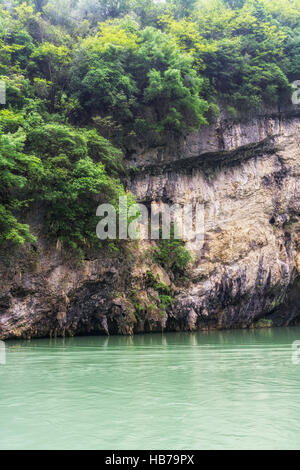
230 389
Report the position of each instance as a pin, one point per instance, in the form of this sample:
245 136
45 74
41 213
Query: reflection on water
2 353
221 389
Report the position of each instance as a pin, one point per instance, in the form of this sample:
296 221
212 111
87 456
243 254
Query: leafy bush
263 323
16 168
172 255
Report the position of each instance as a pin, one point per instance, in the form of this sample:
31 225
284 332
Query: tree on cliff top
136 72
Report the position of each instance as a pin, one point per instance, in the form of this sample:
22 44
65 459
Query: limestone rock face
224 134
246 175
250 258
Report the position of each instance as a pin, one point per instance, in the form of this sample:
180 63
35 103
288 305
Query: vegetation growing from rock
86 81
172 255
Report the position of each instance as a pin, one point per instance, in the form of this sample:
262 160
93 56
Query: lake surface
229 389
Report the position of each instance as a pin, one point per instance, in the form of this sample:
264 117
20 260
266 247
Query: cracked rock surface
247 268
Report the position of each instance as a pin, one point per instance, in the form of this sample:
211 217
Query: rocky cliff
245 274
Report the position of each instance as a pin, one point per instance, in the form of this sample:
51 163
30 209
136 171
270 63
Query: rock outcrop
247 177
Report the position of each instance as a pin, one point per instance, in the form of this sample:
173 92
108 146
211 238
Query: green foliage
162 288
101 150
72 192
172 255
164 297
99 80
75 179
169 84
10 121
263 323
123 73
83 77
165 302
11 230
15 170
70 171
248 65
51 140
